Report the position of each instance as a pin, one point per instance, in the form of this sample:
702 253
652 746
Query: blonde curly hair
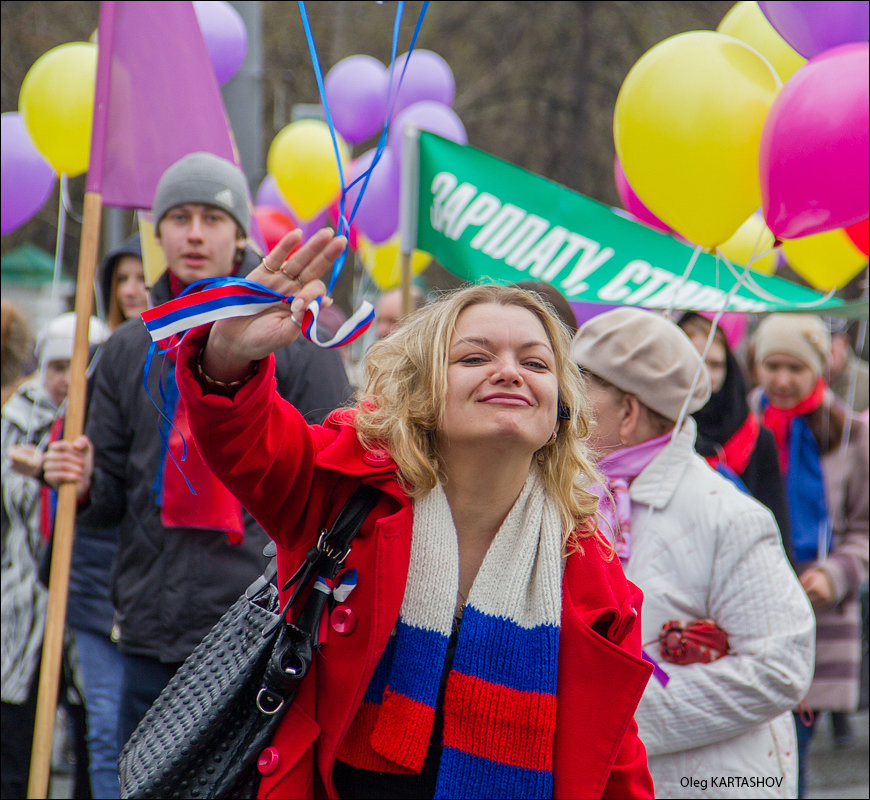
402 404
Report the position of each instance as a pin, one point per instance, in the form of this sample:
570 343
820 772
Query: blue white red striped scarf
500 700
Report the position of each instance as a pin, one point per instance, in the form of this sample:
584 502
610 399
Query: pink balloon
334 218
813 156
733 325
632 203
377 215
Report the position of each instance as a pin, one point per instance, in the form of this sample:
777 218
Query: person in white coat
700 550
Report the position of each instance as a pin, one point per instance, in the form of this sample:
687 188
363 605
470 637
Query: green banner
486 219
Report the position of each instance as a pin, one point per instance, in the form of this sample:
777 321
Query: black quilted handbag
204 733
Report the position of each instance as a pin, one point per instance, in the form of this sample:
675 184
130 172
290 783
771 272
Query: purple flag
157 99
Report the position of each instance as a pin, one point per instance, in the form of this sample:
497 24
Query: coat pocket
287 765
614 624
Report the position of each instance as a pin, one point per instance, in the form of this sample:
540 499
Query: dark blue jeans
804 735
144 679
102 673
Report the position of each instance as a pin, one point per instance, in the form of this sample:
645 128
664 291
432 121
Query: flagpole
64 526
409 198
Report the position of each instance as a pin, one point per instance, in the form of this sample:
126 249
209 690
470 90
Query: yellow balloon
824 260
686 126
302 159
746 21
383 262
57 104
752 242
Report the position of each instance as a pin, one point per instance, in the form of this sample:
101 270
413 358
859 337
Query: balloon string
67 203
685 276
59 241
860 341
344 221
669 451
388 111
763 294
390 106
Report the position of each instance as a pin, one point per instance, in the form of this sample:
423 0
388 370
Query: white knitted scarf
499 706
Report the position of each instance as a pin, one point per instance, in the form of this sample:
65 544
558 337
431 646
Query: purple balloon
428 77
268 194
585 311
377 216
28 179
225 36
310 226
356 91
426 116
811 28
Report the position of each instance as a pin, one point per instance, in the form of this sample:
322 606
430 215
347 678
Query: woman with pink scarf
717 721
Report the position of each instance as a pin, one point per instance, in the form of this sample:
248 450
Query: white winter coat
26 419
703 549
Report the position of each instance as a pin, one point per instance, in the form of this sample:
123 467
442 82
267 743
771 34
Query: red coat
294 478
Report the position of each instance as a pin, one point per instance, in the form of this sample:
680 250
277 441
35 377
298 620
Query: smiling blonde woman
491 647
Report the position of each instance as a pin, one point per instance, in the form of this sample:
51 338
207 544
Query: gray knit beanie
644 354
204 178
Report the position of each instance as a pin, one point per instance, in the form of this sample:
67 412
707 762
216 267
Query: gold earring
553 437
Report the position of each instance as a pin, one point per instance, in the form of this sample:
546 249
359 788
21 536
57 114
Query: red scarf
213 507
47 495
737 451
779 420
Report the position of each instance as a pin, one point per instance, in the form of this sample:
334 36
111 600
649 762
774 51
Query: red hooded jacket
294 477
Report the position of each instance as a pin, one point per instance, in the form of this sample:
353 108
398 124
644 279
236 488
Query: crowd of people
617 560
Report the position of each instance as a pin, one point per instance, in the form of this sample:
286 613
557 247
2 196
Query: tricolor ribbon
340 587
213 299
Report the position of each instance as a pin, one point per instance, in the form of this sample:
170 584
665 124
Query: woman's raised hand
234 343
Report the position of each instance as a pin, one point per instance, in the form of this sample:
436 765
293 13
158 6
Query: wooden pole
64 526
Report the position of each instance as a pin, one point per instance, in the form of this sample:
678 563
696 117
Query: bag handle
293 651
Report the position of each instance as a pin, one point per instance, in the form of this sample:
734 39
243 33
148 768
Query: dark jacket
171 585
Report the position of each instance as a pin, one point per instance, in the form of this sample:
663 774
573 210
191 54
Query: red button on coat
343 620
267 763
377 458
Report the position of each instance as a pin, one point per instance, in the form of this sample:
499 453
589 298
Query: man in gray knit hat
201 216
183 558
703 552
